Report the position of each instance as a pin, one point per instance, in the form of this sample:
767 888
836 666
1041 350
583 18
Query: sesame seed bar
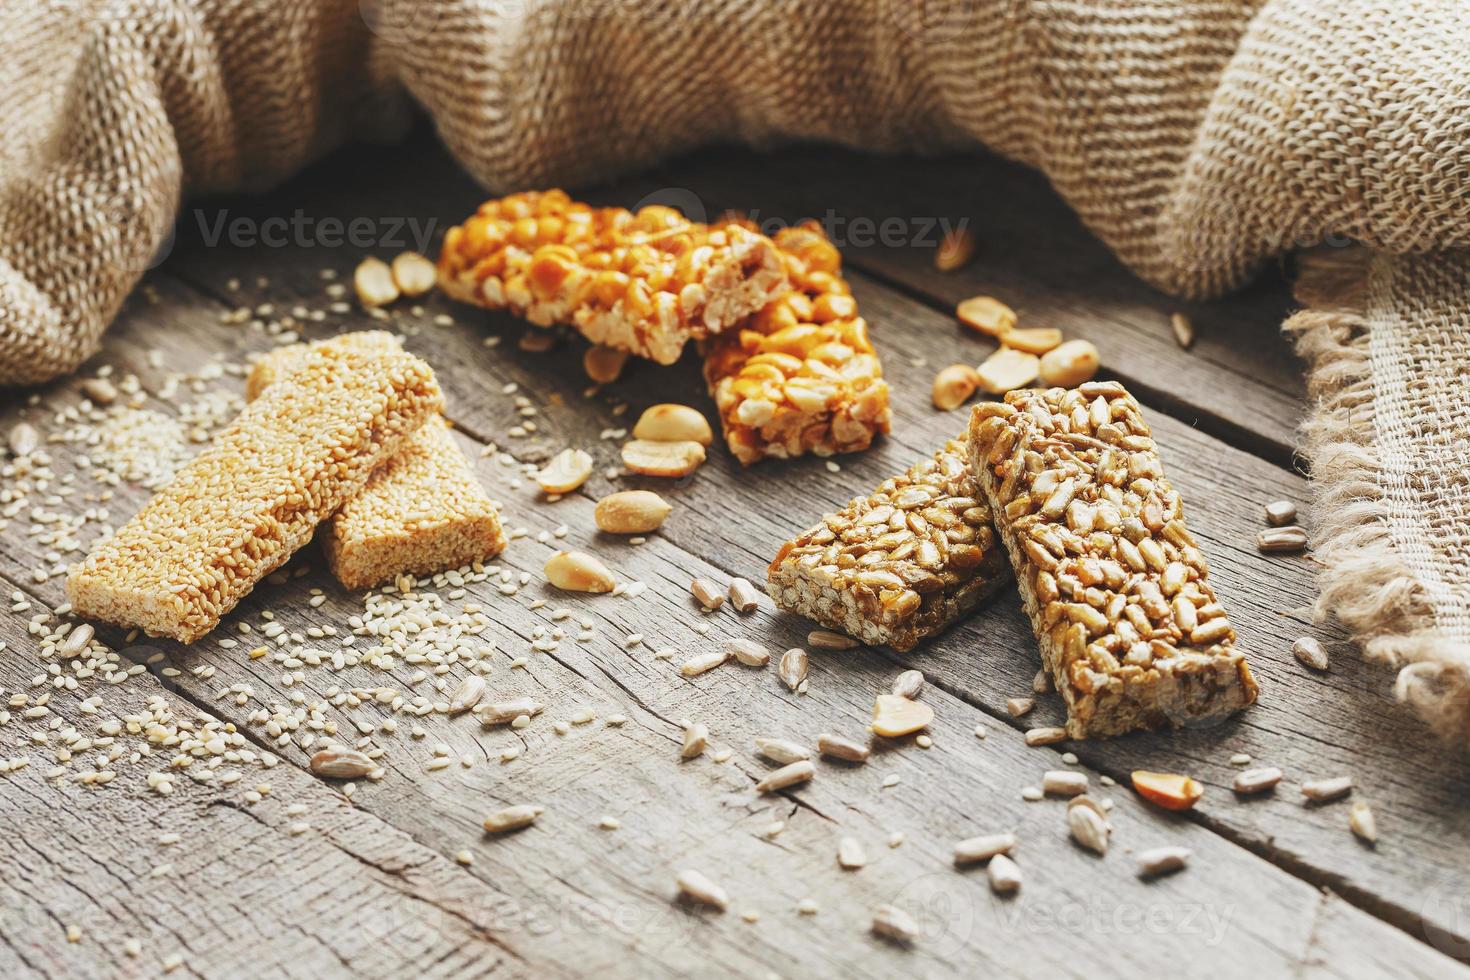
421 512
801 375
898 565
645 283
1116 588
241 508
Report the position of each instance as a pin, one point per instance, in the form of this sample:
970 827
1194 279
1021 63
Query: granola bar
898 565
801 375
243 506
1115 586
421 512
646 283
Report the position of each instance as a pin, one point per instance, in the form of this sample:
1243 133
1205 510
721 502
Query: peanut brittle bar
237 511
646 283
1116 588
898 565
801 375
421 512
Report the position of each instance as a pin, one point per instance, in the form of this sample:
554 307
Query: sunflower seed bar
801 375
239 509
423 511
1115 586
645 282
899 565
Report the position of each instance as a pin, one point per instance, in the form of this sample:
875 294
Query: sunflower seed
695 666
1041 683
696 737
1283 539
828 640
1019 706
895 924
707 594
341 764
100 391
909 684
841 748
1183 330
1045 736
1256 780
743 596
748 652
1161 860
24 439
1279 513
505 712
1064 782
77 641
1088 828
850 853
1362 822
1326 790
513 817
781 751
793 666
797 772
1311 652
695 887
1004 874
976 849
467 694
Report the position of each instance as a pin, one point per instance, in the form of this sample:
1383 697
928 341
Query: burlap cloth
1197 138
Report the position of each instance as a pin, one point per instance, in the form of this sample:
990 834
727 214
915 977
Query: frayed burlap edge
1365 582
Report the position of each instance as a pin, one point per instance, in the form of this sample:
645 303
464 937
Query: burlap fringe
1365 582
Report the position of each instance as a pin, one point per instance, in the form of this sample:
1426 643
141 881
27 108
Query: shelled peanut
1026 354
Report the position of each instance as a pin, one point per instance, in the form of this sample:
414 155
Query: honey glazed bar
1115 585
645 282
801 376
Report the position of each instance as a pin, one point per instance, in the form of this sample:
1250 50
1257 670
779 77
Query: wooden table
372 887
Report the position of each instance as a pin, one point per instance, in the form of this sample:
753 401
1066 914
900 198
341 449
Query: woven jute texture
1198 138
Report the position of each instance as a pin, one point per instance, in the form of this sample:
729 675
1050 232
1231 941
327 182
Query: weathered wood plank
1309 725
349 894
608 895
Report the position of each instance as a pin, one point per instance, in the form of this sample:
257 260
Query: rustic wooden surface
373 888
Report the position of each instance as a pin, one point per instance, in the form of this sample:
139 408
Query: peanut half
604 364
1034 340
1070 364
413 274
374 283
953 386
671 459
631 512
955 250
577 571
567 471
673 423
1008 369
987 315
